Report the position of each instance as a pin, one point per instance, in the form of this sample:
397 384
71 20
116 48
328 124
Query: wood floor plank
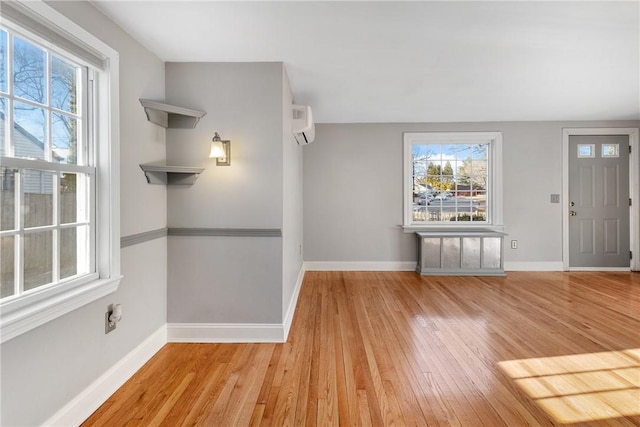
395 348
168 404
245 394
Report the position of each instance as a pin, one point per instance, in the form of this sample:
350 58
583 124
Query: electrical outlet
109 326
514 244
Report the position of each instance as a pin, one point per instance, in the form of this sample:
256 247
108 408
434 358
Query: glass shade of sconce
220 150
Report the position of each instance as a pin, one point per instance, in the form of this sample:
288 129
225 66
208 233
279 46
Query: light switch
555 198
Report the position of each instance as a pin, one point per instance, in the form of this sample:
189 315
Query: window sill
27 313
452 227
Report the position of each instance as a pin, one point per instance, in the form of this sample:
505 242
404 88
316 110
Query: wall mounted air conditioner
302 126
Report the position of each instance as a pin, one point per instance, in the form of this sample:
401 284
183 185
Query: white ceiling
416 61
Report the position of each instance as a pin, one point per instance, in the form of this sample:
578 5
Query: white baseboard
238 332
288 318
360 266
533 266
612 269
225 332
411 266
82 406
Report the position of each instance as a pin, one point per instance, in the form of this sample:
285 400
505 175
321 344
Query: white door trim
634 188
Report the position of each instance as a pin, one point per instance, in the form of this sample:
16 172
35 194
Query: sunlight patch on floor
581 387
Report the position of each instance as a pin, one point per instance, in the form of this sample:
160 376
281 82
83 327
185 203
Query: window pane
38 198
7 198
448 180
434 182
29 131
479 167
464 151
419 165
479 151
68 252
73 250
68 200
3 61
434 152
3 140
419 186
434 214
610 150
463 185
29 71
64 90
7 257
419 152
586 150
64 139
479 182
38 259
479 206
449 151
419 213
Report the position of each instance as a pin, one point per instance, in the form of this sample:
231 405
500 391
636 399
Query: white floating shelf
171 175
170 116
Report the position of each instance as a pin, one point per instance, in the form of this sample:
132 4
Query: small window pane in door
610 150
586 151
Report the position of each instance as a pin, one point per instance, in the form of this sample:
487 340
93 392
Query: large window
58 178
452 179
46 174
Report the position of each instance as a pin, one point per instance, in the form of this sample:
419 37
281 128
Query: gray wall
42 370
243 104
353 189
232 279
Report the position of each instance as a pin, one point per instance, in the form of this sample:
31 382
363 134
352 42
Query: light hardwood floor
382 349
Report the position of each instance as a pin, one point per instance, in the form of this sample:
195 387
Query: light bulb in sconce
116 314
220 150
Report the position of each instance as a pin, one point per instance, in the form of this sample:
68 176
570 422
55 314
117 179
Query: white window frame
24 313
494 188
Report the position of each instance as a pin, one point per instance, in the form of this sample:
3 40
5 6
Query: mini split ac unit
302 126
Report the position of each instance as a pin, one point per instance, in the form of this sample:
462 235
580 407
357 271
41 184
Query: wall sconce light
221 150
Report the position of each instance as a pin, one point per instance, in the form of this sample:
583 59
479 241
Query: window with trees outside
452 178
55 175
46 222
